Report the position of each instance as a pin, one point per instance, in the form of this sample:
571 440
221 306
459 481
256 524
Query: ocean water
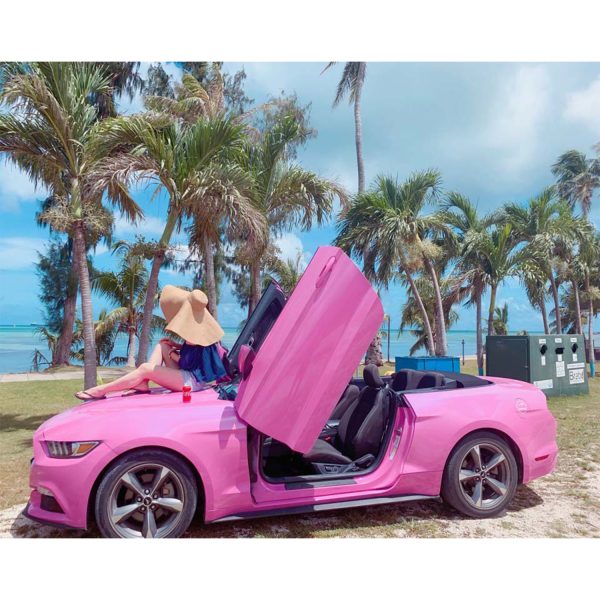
18 342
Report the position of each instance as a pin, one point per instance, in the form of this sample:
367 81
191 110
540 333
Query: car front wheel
481 476
147 493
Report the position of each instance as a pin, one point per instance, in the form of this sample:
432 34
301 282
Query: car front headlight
69 449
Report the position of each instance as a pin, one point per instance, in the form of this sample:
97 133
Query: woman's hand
174 354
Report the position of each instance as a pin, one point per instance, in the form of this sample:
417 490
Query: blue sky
493 130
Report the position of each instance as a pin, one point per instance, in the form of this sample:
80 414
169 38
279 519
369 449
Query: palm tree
535 280
500 259
544 223
577 178
49 133
107 328
385 228
225 209
569 270
500 322
466 223
284 193
124 79
589 264
351 84
180 159
126 289
38 358
455 287
287 272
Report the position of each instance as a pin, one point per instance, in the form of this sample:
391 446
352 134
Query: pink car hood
147 413
310 354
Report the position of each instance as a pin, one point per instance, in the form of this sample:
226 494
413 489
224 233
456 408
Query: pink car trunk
294 383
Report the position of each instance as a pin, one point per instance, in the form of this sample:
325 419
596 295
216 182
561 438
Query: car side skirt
313 508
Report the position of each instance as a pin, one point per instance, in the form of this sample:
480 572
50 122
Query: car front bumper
68 481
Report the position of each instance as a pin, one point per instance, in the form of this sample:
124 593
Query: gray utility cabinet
553 363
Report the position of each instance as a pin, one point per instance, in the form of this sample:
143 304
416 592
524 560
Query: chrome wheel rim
484 476
146 501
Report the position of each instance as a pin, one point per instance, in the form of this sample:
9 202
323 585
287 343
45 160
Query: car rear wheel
481 476
148 493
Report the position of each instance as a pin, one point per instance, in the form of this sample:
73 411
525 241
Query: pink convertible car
294 432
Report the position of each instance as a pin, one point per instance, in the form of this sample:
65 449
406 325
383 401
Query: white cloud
19 252
517 116
101 249
584 105
514 304
289 246
151 226
16 187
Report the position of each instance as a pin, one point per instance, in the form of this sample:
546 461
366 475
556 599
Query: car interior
354 438
356 435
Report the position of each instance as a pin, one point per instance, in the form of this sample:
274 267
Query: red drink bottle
187 393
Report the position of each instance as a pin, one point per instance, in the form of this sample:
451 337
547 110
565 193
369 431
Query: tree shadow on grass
12 422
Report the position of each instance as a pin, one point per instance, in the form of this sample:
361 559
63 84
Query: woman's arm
170 342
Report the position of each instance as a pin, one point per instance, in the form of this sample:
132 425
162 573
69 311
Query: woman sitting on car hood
195 363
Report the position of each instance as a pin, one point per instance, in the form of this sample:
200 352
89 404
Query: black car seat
405 379
429 379
348 397
360 431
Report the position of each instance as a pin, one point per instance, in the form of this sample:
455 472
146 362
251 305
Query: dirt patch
553 506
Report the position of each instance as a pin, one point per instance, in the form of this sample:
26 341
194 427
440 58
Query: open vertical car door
311 352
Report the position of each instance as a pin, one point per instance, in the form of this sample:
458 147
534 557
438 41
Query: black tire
487 499
146 465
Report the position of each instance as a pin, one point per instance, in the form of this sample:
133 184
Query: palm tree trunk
358 140
440 320
544 315
493 291
131 347
157 262
209 276
374 354
578 324
592 357
89 340
479 334
426 321
63 347
255 286
556 302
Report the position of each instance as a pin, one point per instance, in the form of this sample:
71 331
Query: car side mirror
245 360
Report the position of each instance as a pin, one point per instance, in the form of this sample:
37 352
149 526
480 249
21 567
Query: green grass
24 406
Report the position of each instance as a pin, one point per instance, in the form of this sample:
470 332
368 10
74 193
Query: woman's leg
159 356
164 376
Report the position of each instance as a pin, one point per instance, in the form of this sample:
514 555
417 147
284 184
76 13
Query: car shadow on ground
410 519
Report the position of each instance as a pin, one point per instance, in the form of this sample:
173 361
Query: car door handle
325 272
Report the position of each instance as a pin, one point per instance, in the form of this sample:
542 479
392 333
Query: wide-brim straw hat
188 317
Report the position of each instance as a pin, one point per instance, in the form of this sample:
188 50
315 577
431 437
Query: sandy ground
550 507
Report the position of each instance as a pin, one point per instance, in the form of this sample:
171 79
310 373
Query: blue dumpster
429 363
